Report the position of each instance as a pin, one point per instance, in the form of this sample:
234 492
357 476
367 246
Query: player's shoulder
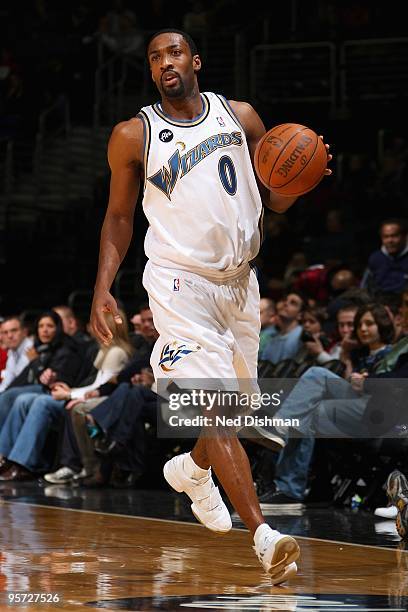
244 110
248 118
127 140
128 130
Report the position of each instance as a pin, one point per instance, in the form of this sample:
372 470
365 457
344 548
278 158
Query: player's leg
189 350
277 552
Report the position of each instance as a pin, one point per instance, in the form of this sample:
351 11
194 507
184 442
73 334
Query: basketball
290 159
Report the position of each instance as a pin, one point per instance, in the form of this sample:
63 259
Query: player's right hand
103 302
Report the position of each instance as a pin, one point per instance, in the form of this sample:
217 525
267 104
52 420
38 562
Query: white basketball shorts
208 329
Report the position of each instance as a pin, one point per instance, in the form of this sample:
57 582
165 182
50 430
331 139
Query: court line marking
147 518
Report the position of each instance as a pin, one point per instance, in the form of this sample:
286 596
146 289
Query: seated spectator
268 320
54 355
341 349
121 421
393 304
136 321
327 404
324 283
313 336
120 393
17 343
144 332
387 270
287 342
71 324
31 415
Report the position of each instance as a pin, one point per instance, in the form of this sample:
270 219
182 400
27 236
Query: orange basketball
290 159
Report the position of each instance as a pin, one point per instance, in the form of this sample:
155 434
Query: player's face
172 65
367 331
392 238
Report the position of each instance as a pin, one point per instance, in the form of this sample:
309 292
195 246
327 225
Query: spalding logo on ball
290 159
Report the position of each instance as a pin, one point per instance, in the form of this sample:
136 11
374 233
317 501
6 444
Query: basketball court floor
143 550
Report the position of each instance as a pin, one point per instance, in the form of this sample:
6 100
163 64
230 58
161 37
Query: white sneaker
208 506
277 552
64 474
389 512
289 572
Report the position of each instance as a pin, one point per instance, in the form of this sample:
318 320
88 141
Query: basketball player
192 154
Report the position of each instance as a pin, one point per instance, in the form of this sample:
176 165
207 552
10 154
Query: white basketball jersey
200 194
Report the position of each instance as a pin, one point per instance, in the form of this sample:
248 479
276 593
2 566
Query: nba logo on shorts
176 284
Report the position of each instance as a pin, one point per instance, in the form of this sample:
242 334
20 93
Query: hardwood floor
113 561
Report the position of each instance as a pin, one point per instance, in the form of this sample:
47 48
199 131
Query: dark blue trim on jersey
146 142
229 110
184 122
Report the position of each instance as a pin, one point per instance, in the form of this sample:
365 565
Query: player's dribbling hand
327 172
103 302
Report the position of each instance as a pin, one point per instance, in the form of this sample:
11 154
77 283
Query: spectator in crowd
268 322
17 343
323 284
313 336
327 404
287 342
121 420
387 270
23 435
341 349
120 392
136 321
54 356
292 465
71 324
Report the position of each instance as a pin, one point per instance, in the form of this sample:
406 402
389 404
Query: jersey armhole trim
146 142
229 110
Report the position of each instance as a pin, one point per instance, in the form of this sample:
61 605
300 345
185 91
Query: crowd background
332 245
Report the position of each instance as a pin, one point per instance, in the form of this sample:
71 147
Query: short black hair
395 221
187 38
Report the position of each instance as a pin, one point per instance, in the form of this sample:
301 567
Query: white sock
192 469
261 531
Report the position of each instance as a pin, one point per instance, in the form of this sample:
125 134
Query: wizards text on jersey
178 166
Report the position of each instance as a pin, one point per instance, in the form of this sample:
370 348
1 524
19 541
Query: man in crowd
387 270
287 342
17 343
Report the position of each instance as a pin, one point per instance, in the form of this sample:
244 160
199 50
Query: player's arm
125 153
254 130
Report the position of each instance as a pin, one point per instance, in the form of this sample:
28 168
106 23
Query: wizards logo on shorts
172 352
